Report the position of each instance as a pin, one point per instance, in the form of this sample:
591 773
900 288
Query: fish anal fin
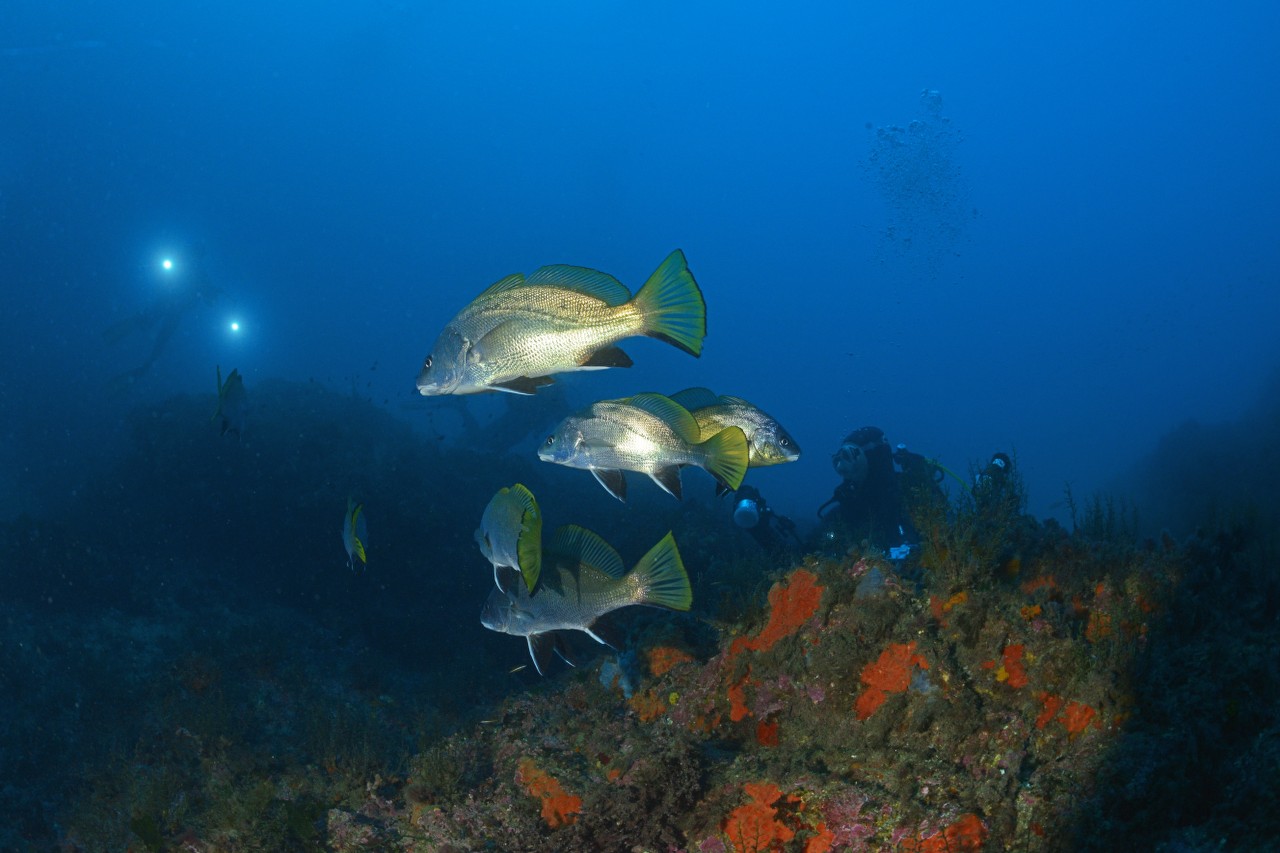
607 357
606 634
669 479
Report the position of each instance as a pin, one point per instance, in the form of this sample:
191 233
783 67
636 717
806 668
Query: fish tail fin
726 456
671 306
529 539
660 579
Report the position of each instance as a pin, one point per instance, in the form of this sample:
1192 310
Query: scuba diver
995 477
773 532
188 286
996 491
877 485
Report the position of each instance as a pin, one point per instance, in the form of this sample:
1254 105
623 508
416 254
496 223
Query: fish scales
636 439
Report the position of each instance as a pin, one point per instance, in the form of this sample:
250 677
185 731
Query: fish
510 533
648 433
232 402
520 331
355 534
584 580
768 442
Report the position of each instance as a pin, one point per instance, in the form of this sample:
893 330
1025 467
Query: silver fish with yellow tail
648 433
583 580
768 442
510 534
521 330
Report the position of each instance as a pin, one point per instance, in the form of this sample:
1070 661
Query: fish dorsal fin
729 400
695 398
584 548
675 415
503 284
591 282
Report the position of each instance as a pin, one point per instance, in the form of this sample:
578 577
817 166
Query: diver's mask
850 462
746 514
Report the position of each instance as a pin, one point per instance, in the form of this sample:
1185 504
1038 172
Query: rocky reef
203 676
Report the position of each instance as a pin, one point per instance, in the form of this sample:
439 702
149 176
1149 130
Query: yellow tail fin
727 455
672 305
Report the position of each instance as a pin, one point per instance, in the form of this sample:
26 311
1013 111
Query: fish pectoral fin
669 479
607 357
522 384
613 481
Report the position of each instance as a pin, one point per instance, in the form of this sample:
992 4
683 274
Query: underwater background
1047 230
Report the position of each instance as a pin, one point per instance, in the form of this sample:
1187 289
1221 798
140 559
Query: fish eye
784 441
551 439
426 365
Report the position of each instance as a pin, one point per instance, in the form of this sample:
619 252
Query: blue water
1048 229
1082 256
